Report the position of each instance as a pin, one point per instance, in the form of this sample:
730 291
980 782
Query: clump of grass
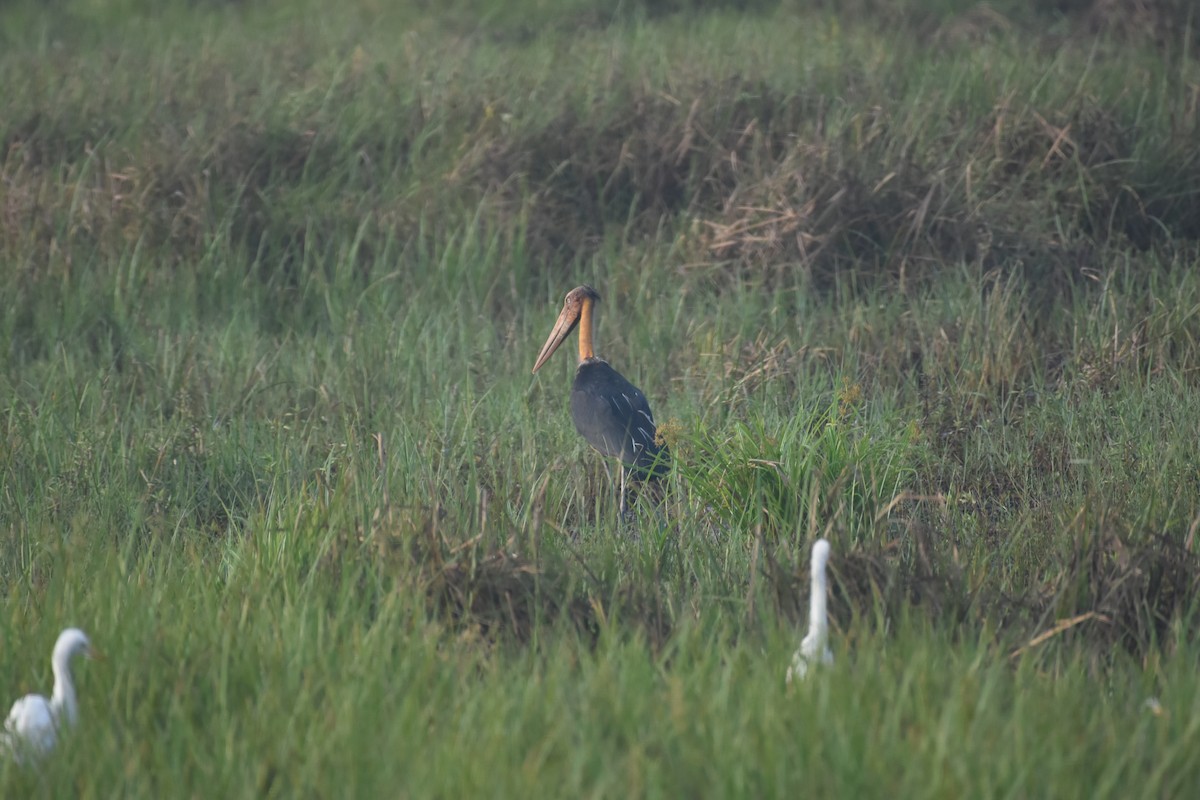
785 475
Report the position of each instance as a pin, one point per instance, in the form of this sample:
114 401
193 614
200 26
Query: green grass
273 282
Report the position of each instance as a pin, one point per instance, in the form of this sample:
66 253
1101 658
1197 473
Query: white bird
814 648
33 724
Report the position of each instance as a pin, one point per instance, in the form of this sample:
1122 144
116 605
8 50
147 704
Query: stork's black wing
613 415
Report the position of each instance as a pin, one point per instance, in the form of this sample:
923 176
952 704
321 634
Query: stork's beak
567 320
94 654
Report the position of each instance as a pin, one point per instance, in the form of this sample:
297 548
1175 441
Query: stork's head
577 306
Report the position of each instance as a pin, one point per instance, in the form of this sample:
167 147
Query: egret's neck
586 349
817 618
62 702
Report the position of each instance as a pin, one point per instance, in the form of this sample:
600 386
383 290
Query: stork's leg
608 473
623 470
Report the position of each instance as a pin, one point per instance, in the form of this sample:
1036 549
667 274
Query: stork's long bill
577 311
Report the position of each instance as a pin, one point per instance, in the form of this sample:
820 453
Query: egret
33 724
814 647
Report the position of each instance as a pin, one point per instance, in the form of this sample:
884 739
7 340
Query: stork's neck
586 349
62 702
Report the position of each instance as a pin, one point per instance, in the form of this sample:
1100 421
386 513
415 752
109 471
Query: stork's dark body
614 417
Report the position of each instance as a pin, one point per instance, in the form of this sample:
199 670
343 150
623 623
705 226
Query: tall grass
920 280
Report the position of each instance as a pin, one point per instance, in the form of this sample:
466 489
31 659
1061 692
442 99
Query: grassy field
919 277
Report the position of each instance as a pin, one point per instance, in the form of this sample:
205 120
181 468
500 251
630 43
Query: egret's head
820 555
73 642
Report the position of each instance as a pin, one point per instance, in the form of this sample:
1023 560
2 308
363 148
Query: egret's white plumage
33 724
814 647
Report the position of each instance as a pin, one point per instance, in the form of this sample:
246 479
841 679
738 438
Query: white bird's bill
814 647
32 727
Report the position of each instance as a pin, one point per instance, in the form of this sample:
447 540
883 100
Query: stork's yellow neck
585 330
